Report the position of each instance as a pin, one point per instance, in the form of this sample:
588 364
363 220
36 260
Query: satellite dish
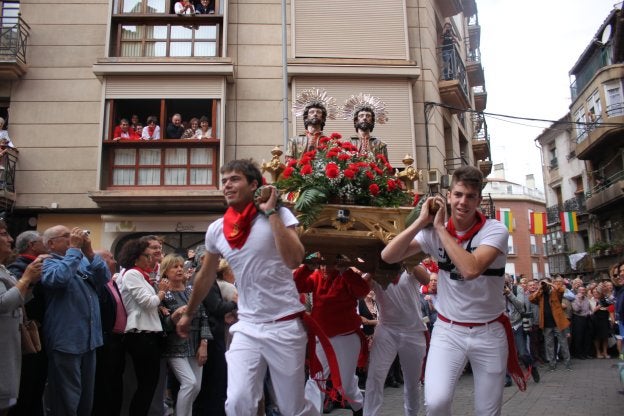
606 35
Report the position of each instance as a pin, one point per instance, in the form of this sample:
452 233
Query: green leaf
309 204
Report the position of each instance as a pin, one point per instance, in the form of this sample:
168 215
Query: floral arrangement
335 172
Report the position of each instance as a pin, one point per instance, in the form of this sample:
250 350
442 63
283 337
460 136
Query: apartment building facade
583 158
526 255
78 68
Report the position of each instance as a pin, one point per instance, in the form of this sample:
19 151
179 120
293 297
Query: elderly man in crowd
175 129
71 325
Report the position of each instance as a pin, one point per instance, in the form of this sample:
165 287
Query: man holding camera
72 329
552 319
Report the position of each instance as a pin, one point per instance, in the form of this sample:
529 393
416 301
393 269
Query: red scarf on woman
145 274
450 227
237 225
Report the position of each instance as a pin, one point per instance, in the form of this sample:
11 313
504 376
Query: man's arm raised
202 283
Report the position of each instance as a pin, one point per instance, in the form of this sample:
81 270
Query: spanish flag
538 223
506 218
568 222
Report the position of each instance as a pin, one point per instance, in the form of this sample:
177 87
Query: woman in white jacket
143 327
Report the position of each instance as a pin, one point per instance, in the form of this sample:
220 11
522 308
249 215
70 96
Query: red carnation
370 174
311 154
349 173
381 157
304 160
332 171
374 189
306 169
323 140
287 172
344 157
292 162
391 185
335 136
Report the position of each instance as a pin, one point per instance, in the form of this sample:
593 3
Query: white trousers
278 346
387 343
189 374
451 347
347 349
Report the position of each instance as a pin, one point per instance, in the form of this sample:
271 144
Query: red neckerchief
29 257
237 225
145 274
450 227
150 131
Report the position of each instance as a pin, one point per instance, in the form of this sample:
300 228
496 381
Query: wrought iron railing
607 182
8 161
576 204
552 214
450 164
13 38
615 110
487 207
452 66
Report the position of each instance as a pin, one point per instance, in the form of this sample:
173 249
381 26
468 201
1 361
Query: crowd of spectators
134 129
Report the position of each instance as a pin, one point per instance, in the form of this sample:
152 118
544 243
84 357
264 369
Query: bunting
568 222
538 223
506 218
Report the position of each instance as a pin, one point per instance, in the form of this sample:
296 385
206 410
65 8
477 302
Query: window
581 131
594 108
615 102
163 109
510 245
150 28
535 270
177 166
533 245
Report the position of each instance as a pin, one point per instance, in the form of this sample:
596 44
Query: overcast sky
527 49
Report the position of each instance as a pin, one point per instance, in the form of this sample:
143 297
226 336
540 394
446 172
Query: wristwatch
270 212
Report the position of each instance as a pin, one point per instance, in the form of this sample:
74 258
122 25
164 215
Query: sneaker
535 374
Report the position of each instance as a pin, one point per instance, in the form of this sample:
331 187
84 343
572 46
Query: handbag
31 343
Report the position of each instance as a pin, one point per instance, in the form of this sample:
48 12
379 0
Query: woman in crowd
13 293
205 131
143 328
152 130
185 356
189 133
600 321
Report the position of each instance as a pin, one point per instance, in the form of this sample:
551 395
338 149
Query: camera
604 303
86 233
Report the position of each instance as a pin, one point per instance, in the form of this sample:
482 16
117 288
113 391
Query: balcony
13 38
480 97
8 161
450 8
451 164
610 194
603 135
552 214
453 83
168 174
577 204
474 69
485 166
480 138
474 33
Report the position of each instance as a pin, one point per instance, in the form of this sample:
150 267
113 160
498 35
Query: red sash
237 225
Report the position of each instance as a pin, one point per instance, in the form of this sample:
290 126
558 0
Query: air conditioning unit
433 177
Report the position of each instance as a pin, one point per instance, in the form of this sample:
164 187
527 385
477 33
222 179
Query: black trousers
581 335
144 348
32 383
211 398
109 369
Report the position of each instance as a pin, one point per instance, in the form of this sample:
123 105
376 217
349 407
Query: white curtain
201 176
175 175
124 157
149 176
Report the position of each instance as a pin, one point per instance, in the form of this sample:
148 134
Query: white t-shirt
266 289
399 305
477 300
